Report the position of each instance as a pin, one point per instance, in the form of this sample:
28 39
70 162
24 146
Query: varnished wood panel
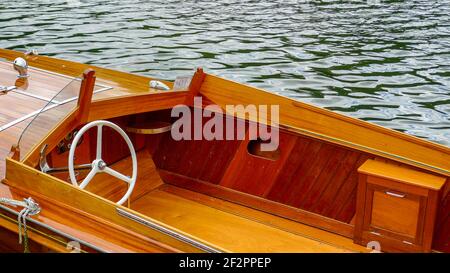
123 83
254 174
396 207
393 213
14 106
320 123
311 175
199 159
441 240
38 130
320 178
149 180
86 227
258 203
107 108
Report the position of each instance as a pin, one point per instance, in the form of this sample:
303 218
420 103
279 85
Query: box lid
402 174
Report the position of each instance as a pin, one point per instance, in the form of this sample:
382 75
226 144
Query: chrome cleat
21 66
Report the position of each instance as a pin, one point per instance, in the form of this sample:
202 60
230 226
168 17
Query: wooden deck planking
40 82
123 83
15 106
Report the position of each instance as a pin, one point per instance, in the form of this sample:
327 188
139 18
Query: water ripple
388 63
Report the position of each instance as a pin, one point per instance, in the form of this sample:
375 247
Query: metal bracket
45 168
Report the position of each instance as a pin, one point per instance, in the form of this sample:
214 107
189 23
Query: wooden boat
334 184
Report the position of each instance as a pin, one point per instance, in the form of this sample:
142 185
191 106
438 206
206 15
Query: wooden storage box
396 207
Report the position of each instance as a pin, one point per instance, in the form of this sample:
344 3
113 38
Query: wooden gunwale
307 119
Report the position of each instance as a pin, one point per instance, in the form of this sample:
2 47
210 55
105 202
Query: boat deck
56 93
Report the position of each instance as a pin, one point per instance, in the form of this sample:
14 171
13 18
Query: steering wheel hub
100 164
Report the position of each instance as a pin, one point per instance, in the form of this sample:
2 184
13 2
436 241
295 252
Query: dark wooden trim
430 220
85 97
258 203
360 208
14 153
194 87
135 104
441 240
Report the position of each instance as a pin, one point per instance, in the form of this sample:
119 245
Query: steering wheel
98 165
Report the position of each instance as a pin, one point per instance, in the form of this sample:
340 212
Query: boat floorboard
231 226
232 232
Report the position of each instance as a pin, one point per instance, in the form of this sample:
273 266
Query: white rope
30 208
